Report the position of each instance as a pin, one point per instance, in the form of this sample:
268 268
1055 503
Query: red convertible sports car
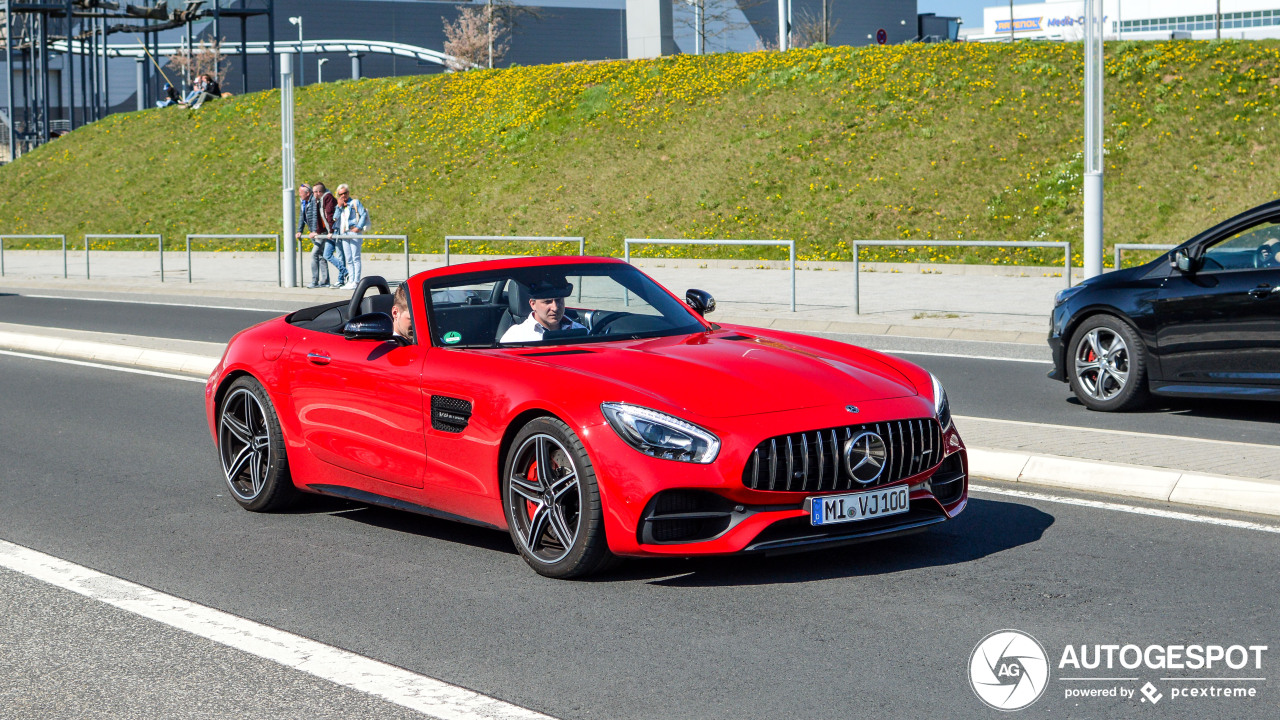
585 409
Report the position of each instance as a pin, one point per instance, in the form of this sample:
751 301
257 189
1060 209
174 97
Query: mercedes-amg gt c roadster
589 412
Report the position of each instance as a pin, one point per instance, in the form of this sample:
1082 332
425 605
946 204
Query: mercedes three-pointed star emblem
865 456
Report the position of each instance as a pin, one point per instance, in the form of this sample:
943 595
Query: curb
111 353
1172 486
1134 481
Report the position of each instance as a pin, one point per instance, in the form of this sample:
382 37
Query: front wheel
552 503
251 447
1108 365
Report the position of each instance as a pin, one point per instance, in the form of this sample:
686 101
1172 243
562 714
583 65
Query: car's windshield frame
628 277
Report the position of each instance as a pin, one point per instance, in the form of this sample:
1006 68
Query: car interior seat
517 307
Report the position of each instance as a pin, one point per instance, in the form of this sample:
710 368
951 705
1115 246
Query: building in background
1133 20
380 38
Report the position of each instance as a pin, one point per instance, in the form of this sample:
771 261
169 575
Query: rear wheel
1108 365
251 447
552 503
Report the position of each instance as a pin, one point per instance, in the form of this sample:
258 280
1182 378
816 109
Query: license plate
831 509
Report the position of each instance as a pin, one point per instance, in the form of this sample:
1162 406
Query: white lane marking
966 357
432 697
101 366
153 302
1135 509
1127 433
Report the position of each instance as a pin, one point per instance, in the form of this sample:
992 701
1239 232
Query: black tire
251 449
549 491
1107 363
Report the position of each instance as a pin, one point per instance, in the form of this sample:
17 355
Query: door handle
318 358
1263 291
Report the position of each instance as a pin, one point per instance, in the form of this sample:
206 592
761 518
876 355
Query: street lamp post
302 56
320 70
1093 154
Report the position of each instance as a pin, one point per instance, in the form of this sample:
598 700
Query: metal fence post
857 301
857 288
188 259
1120 247
406 258
160 244
1 257
626 244
86 257
793 276
446 250
64 257
1066 261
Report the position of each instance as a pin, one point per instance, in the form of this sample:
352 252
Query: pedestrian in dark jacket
331 249
309 224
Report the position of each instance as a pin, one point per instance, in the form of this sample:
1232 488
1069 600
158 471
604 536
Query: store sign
1019 25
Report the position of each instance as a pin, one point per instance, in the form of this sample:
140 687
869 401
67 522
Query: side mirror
369 326
701 301
1184 262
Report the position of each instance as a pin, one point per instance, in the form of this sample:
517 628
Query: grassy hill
967 141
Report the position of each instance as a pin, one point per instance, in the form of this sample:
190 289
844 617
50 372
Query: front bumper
664 508
1058 342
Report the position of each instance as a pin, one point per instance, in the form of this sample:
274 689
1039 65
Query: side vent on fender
449 414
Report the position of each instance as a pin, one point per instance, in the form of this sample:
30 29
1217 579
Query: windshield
552 305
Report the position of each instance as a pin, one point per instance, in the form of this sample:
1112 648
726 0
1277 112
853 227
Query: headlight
941 406
661 435
1065 295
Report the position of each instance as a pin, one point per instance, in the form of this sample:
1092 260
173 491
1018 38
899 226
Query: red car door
359 403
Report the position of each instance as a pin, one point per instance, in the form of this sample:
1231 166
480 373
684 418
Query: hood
731 374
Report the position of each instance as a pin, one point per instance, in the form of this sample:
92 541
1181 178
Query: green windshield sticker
452 338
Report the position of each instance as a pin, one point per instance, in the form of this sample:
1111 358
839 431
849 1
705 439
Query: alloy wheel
544 496
244 442
1102 363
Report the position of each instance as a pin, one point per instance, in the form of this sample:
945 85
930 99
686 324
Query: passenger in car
546 302
401 321
1269 254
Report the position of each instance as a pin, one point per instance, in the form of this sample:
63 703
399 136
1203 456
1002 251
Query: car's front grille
814 461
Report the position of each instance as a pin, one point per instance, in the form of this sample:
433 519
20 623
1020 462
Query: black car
1203 320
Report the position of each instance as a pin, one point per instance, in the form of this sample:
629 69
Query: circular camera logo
1008 670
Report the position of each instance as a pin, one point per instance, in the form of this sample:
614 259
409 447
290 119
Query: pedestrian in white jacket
350 219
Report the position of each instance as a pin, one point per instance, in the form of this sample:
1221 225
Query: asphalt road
117 472
991 380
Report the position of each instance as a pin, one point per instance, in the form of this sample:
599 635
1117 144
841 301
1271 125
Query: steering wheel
353 308
600 321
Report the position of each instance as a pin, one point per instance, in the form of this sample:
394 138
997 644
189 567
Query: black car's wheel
251 447
552 503
1108 364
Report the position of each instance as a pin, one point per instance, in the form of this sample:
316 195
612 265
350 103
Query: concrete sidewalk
983 303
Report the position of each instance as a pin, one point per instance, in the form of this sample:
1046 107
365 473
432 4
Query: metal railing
582 243
260 236
402 238
859 244
790 244
1120 247
34 237
159 245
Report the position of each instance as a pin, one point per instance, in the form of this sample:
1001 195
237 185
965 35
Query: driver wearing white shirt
546 300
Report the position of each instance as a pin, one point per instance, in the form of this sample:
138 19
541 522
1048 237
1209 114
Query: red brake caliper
530 507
